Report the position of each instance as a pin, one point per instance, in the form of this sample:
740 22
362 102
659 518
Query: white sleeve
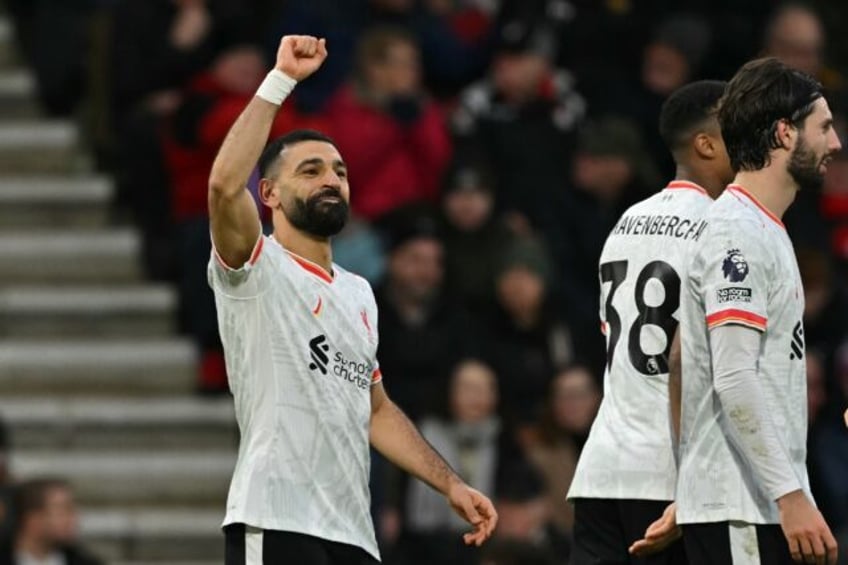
245 281
735 351
737 277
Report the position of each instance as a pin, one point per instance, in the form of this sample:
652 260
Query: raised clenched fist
300 55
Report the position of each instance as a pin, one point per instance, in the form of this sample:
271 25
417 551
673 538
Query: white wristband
276 87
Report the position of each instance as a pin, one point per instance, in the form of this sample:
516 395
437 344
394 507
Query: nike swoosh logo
317 309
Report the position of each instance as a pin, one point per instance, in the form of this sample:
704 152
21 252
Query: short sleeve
736 278
370 318
376 375
246 281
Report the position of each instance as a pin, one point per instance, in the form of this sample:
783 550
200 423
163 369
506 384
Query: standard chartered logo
351 371
318 349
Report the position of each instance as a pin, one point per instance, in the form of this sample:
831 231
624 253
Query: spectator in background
191 136
474 237
524 115
555 445
456 40
834 198
53 37
156 47
452 36
422 333
611 170
825 304
529 341
827 441
46 526
394 139
795 35
359 249
672 58
159 44
468 435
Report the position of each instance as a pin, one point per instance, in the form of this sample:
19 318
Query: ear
269 193
704 146
786 134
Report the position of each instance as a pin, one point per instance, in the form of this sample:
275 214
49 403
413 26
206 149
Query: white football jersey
629 453
743 272
300 348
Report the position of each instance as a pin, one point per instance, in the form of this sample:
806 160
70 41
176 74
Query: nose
331 178
834 144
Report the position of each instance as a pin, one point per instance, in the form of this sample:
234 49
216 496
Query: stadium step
17 95
95 385
90 423
66 367
59 202
70 255
105 312
133 477
155 535
39 147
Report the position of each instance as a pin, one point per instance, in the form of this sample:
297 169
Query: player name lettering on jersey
665 225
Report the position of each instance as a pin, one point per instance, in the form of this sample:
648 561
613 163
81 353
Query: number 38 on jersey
639 306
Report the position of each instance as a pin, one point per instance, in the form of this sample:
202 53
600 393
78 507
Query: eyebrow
318 161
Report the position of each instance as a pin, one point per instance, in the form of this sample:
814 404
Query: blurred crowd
39 519
491 145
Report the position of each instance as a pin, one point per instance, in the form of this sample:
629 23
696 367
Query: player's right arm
234 219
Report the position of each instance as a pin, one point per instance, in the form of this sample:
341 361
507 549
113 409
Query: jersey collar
306 264
685 185
311 267
740 192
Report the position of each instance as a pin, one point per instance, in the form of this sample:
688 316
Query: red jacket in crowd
389 163
192 138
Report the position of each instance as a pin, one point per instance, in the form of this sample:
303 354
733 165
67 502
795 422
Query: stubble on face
805 166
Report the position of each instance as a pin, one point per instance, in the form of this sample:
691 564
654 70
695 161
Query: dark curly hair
761 94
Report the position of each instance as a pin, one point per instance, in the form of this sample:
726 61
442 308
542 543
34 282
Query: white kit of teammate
641 267
747 273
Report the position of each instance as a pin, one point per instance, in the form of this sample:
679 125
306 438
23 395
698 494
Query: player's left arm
675 390
664 531
396 437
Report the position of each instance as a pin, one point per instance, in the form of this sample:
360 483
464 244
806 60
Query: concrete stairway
95 385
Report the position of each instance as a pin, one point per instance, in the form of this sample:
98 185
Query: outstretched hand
659 535
476 509
300 55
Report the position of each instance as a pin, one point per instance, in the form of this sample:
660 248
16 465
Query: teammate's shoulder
690 196
729 212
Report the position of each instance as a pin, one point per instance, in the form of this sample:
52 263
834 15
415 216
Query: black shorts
605 528
251 546
736 543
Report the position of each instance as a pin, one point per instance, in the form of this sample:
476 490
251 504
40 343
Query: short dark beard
804 167
318 218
